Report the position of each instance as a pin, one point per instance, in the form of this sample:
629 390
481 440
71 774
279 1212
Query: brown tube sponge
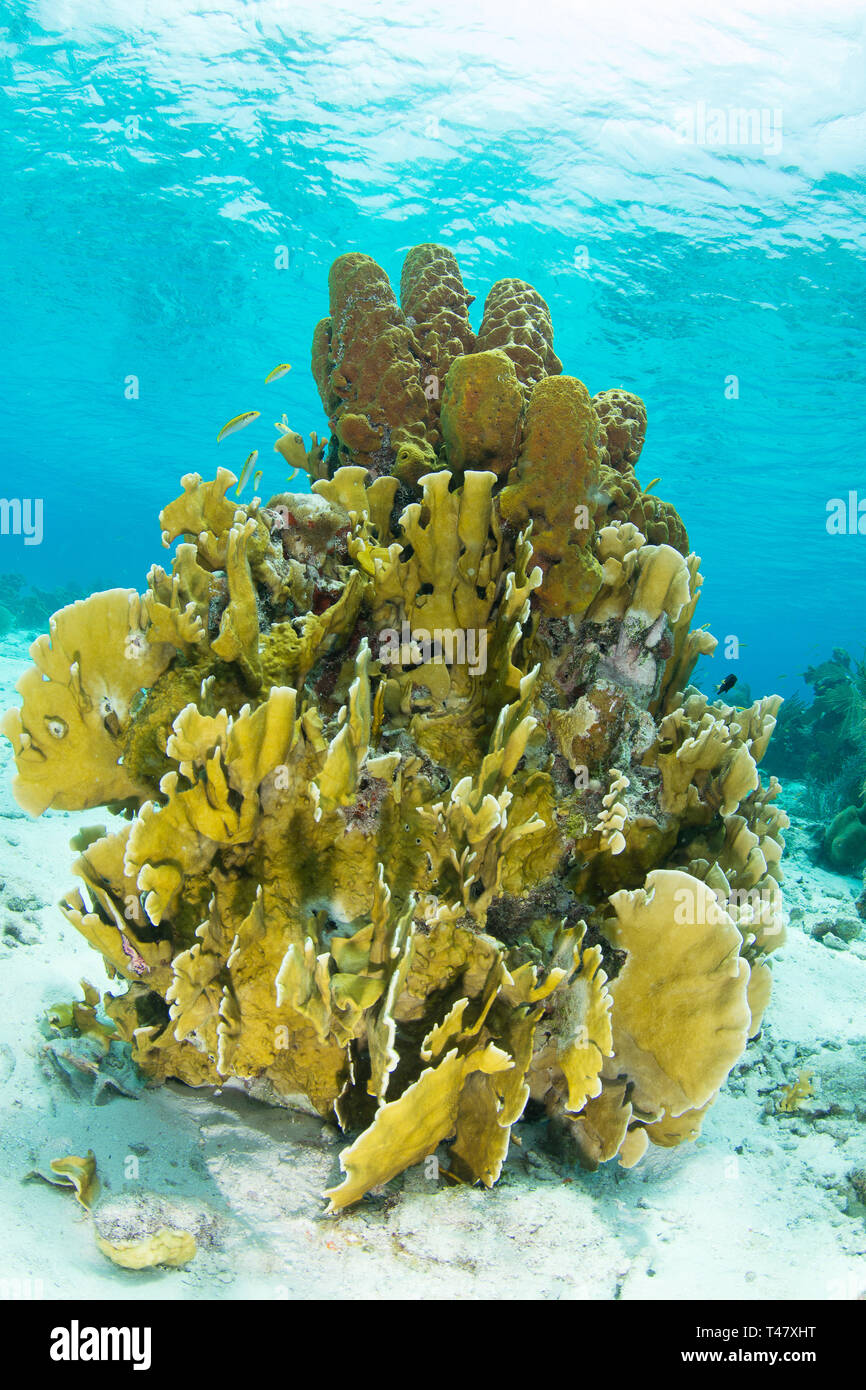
622 417
556 472
482 410
435 302
517 320
367 369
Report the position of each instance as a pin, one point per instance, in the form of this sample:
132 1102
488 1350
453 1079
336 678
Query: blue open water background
154 157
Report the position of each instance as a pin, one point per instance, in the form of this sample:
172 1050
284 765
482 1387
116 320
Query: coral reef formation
436 304
622 424
823 743
422 819
26 608
517 320
844 842
88 1053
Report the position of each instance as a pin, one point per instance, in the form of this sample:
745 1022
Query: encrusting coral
423 820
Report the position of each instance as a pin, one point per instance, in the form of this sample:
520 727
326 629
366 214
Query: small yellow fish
257 478
279 371
649 487
238 422
245 471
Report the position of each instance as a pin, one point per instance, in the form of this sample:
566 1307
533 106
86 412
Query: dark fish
726 684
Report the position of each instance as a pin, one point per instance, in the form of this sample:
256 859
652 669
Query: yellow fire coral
424 823
796 1094
78 701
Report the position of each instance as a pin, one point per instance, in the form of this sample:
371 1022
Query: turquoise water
155 158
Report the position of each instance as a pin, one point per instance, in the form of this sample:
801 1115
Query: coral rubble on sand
423 818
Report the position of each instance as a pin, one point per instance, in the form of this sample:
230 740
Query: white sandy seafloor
763 1206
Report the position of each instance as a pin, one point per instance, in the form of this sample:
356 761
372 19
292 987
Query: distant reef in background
24 607
823 745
